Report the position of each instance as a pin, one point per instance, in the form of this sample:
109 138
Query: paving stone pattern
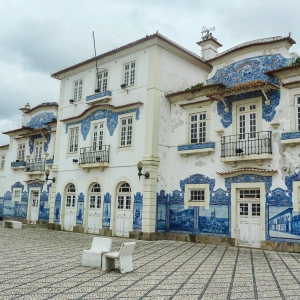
36 263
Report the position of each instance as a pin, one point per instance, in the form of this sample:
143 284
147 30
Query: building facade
218 135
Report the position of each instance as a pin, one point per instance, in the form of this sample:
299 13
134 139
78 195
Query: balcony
98 98
94 157
255 146
35 166
18 164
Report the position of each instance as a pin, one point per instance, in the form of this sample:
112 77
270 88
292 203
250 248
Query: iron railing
246 144
96 154
35 164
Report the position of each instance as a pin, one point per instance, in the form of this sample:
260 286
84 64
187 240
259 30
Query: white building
218 135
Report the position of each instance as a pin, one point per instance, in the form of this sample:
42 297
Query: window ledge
290 138
19 165
98 98
40 172
197 148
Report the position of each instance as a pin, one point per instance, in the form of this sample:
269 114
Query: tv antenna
95 53
205 31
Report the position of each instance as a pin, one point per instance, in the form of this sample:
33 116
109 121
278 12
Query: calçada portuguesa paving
37 263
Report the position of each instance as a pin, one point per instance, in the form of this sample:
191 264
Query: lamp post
47 172
140 167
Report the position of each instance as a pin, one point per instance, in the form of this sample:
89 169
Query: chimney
209 46
25 117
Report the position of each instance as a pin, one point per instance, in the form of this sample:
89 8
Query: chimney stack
209 46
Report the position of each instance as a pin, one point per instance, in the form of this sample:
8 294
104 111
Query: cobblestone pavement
36 263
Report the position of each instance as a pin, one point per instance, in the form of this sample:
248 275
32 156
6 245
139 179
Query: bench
124 256
12 224
93 256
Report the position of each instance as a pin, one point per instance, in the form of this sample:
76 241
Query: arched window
95 196
71 195
124 196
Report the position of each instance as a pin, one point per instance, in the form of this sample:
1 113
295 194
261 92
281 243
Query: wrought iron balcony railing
35 164
246 144
95 154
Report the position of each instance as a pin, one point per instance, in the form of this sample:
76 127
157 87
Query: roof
26 131
248 169
195 102
4 146
252 43
147 38
245 87
40 105
291 84
276 71
112 107
204 87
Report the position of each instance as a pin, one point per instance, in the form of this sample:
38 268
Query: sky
40 37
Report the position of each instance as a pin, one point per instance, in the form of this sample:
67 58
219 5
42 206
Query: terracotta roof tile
247 169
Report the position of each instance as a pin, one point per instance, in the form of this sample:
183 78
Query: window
77 90
102 81
95 196
124 197
196 195
249 194
21 152
198 128
98 131
16 195
73 142
70 201
126 132
297 113
129 73
2 161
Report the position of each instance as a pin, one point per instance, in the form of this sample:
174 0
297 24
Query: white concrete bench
124 256
93 256
12 224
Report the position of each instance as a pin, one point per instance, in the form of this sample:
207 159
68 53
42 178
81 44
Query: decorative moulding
99 98
101 166
259 158
198 148
275 124
220 132
247 170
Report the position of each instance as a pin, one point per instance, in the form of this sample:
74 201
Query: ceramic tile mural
137 212
8 205
181 219
284 223
57 208
214 220
106 211
1 206
44 207
161 217
80 206
21 208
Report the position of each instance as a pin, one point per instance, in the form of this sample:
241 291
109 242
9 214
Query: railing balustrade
246 144
35 164
94 154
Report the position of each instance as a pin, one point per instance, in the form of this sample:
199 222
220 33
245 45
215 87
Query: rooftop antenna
205 31
95 53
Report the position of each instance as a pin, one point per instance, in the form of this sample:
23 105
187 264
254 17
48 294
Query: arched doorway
94 209
123 210
70 208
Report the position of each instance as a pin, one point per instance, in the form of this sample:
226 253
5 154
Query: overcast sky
41 37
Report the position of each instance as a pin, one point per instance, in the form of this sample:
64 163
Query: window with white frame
198 128
196 195
77 90
126 131
21 152
297 102
129 73
17 195
71 196
73 140
102 81
2 162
